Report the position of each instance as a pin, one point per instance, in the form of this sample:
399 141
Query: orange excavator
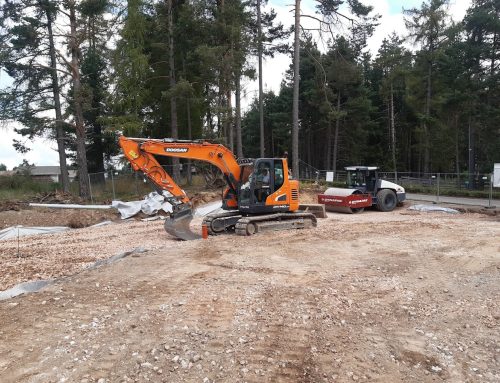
260 194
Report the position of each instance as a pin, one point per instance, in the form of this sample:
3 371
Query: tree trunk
210 119
409 152
60 136
173 101
229 119
190 137
336 137
457 153
427 116
296 79
493 54
239 141
81 155
328 151
261 97
471 153
393 135
309 147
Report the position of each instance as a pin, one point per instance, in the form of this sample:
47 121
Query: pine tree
28 44
130 61
394 61
427 28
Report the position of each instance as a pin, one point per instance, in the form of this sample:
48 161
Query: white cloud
274 69
43 151
388 23
458 8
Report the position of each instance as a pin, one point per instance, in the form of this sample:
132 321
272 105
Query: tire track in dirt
286 324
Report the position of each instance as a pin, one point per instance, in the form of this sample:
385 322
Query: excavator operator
262 182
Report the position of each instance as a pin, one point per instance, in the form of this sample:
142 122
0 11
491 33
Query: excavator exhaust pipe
177 225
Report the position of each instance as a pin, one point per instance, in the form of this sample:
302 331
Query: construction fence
126 184
451 184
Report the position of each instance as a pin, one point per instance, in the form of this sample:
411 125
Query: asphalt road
453 200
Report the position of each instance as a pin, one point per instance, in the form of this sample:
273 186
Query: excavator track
221 222
279 221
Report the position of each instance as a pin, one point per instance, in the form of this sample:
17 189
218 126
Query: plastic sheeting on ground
208 208
150 205
431 208
21 231
24 288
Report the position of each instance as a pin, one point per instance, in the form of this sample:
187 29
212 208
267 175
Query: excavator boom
141 154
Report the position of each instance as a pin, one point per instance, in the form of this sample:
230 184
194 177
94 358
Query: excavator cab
265 187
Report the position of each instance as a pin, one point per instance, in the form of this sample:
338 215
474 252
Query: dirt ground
374 297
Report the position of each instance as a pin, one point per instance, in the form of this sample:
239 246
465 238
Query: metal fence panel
126 184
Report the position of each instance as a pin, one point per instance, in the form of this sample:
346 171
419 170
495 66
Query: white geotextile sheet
150 205
21 231
430 208
208 208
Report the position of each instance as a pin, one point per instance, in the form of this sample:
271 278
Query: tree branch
61 56
50 68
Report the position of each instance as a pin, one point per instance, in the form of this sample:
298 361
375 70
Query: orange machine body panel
290 189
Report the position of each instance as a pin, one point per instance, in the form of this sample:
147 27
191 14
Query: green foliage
20 186
444 95
130 62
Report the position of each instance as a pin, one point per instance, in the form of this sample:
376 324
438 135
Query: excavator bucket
177 225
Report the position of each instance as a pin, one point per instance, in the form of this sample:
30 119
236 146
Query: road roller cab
364 189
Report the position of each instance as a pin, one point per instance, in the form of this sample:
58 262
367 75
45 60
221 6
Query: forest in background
85 71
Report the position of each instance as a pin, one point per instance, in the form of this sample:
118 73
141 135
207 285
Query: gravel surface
54 255
373 297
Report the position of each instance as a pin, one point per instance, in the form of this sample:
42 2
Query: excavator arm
141 153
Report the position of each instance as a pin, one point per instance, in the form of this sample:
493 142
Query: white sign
329 176
496 176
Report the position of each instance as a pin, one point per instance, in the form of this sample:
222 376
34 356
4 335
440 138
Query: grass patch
18 187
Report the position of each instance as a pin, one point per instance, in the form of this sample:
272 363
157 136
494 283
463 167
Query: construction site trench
403 296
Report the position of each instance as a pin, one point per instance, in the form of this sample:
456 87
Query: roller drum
342 192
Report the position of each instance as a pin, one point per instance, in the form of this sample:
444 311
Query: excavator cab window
246 172
247 177
263 183
278 174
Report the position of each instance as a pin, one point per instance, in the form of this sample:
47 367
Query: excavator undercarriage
249 225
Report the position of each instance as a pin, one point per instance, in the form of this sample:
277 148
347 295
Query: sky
43 151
